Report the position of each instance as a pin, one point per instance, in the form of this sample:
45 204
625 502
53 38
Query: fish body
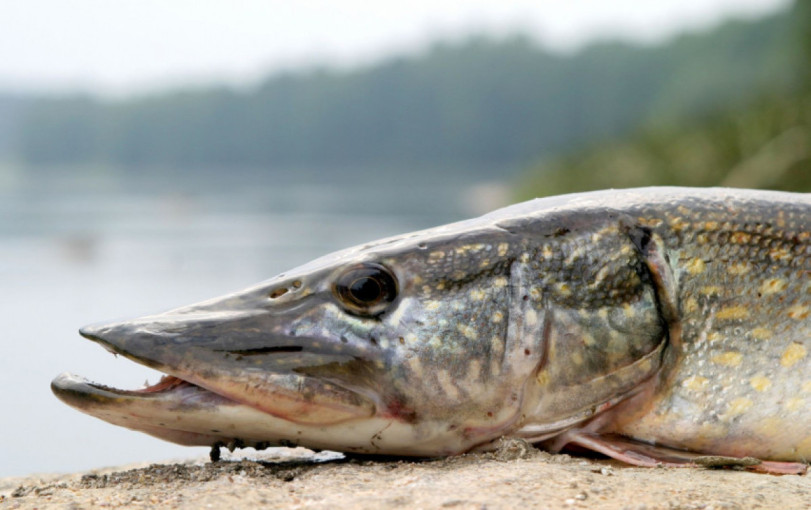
656 323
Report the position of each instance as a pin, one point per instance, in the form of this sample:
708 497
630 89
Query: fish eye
366 289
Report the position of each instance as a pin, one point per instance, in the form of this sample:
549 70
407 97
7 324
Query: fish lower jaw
183 413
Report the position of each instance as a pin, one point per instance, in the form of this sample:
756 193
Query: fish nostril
278 292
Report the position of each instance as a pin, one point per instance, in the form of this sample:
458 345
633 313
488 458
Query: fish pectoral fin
642 454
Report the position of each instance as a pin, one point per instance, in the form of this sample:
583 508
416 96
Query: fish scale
744 298
653 325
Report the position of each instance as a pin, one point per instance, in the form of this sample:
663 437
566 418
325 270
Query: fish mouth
153 409
206 397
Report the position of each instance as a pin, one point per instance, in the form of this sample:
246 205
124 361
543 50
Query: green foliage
474 104
765 145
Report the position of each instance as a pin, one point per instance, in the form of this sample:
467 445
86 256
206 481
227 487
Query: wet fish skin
739 383
673 316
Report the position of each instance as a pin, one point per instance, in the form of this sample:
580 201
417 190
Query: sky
121 47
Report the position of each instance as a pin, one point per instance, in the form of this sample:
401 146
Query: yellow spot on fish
729 359
436 256
497 317
760 383
502 249
740 238
732 312
761 334
793 353
484 263
695 383
794 404
778 254
564 289
781 219
691 305
773 286
577 358
798 312
543 378
738 407
695 266
468 331
739 268
649 222
500 282
432 305
714 336
807 386
711 225
524 257
477 294
440 286
711 290
547 252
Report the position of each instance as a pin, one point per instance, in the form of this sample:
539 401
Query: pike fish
657 326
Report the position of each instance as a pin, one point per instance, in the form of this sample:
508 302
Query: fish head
400 343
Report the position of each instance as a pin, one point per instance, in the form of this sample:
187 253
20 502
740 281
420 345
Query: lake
101 246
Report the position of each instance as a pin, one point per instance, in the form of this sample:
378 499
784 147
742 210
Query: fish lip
72 388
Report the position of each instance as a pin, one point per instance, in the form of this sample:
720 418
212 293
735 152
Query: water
75 251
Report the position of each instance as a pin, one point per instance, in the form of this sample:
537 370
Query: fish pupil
366 290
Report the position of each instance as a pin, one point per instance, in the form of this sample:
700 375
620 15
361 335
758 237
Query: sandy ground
517 476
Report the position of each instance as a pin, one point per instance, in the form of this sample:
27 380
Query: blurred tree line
765 143
477 103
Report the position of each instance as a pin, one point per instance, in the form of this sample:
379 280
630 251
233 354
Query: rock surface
516 476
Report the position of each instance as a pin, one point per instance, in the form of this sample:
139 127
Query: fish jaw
186 414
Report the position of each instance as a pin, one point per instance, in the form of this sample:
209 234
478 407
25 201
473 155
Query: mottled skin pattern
672 316
742 383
